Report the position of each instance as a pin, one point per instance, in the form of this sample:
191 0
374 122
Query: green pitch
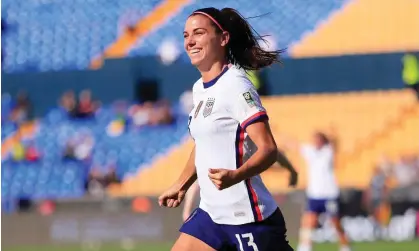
369 246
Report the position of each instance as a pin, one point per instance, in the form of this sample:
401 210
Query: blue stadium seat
62 34
68 34
54 178
286 21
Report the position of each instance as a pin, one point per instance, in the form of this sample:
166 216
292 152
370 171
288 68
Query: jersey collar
212 82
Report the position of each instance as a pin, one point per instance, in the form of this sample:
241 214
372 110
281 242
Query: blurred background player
322 189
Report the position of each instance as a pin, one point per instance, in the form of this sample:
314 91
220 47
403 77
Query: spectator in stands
385 165
118 126
84 147
100 177
376 194
69 150
158 113
79 148
22 109
140 114
86 107
18 152
32 153
68 102
405 171
161 114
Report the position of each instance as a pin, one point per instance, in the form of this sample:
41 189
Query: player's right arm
176 193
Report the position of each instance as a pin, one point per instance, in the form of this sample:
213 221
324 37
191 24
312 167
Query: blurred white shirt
321 176
405 174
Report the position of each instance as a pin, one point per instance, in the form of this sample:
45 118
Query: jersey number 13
248 237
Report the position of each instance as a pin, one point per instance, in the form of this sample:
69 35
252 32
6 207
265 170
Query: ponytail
243 49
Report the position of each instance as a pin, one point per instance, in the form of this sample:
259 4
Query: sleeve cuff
257 117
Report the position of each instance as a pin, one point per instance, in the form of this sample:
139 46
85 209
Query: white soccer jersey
321 175
223 108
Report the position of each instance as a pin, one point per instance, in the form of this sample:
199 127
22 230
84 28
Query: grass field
367 246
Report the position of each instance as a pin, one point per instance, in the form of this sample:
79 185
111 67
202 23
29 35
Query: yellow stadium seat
362 27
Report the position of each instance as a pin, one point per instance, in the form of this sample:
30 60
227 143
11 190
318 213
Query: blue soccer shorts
267 235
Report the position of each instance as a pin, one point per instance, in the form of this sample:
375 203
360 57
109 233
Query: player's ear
225 38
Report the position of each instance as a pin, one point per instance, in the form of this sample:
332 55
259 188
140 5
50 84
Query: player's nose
190 43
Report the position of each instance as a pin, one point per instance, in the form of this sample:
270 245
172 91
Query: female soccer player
236 211
322 188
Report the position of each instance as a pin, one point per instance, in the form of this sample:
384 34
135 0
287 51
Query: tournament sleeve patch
249 99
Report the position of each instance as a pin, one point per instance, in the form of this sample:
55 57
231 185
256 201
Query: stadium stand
145 25
284 21
65 34
367 29
54 177
13 134
60 35
148 180
400 139
77 34
359 118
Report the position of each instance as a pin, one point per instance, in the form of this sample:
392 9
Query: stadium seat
284 21
54 178
362 27
60 35
401 139
159 175
63 35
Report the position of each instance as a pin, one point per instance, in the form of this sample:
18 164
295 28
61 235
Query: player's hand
293 179
172 197
222 178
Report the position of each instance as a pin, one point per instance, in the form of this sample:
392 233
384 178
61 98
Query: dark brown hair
323 137
243 49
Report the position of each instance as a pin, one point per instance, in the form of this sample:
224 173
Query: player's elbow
270 153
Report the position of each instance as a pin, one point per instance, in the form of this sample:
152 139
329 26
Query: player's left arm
332 136
247 109
266 153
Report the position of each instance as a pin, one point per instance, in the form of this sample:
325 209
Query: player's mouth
194 51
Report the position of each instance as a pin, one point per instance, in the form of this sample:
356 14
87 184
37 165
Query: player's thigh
187 242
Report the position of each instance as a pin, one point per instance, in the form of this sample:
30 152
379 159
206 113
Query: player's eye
185 35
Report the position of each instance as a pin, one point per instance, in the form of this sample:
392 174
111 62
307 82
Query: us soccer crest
208 107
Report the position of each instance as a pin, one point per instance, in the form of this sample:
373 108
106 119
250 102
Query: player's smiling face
203 44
